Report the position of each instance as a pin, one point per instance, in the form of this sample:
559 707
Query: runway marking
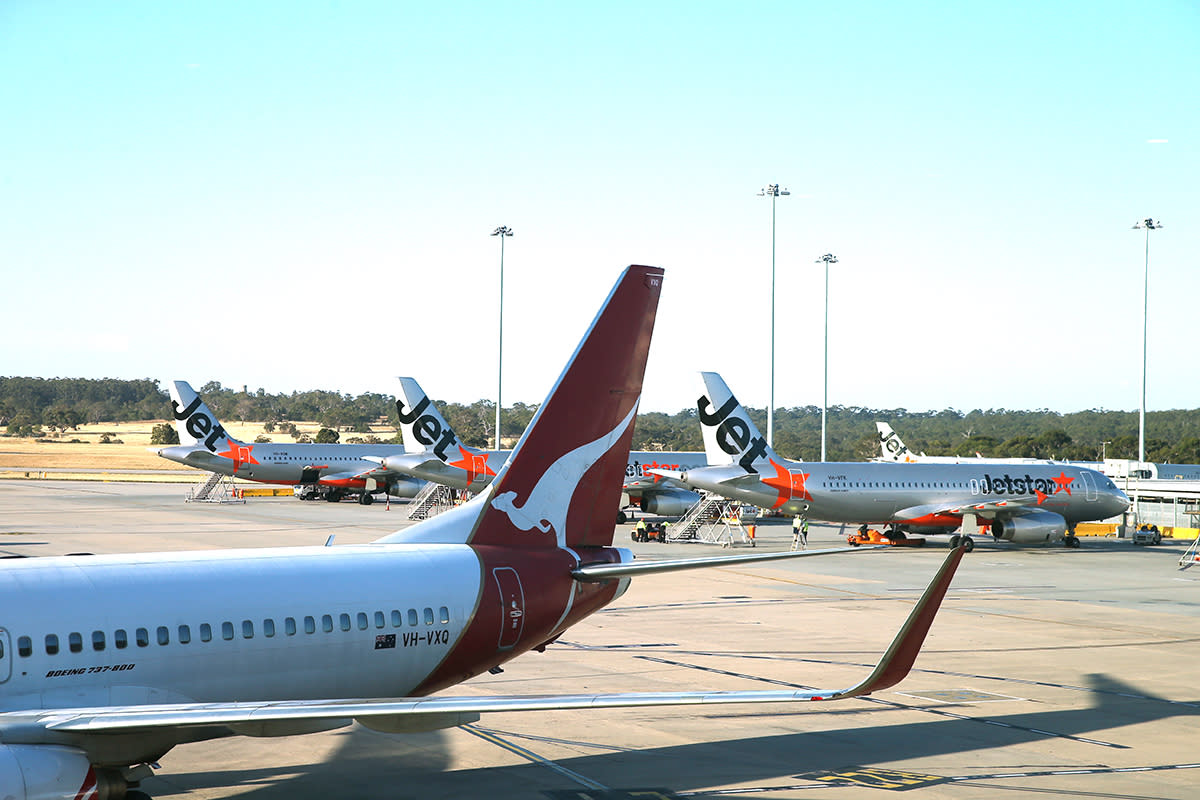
516 749
827 777
937 712
553 740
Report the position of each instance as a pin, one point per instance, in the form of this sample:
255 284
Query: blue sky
299 195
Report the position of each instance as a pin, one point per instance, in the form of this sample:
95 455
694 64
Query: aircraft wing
891 669
990 507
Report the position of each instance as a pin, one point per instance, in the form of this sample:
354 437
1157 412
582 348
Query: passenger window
98 641
412 617
185 634
429 616
247 629
445 612
362 621
289 626
227 631
25 647
75 643
345 620
142 636
205 632
120 638
268 627
164 635
51 645
397 618
379 619
310 625
326 623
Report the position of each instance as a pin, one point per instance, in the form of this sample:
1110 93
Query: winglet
899 658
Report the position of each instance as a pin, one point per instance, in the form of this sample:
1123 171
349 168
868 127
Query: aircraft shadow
368 765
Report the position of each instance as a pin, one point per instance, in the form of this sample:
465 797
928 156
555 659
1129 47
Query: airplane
330 471
436 453
894 449
109 661
1032 504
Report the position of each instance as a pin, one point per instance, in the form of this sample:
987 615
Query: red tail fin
562 485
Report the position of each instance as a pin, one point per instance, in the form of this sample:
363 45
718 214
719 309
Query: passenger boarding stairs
1191 556
432 500
713 520
217 489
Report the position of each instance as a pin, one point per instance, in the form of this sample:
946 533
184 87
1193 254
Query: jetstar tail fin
730 436
422 426
891 445
196 424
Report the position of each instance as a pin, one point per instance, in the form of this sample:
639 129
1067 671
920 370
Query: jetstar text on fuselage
733 434
1025 484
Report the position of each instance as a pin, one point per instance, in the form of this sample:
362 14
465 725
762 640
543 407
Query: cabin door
512 606
5 655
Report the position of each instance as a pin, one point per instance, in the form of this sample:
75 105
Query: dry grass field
128 447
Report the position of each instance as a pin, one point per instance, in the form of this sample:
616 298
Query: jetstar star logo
474 464
239 454
790 485
1042 488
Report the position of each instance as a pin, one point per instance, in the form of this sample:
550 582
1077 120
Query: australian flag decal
385 641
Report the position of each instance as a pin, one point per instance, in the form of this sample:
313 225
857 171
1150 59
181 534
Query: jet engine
669 502
1033 527
50 772
404 487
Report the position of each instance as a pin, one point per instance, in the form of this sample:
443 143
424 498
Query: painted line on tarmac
937 712
516 749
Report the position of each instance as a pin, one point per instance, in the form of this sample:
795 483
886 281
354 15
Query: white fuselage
295 623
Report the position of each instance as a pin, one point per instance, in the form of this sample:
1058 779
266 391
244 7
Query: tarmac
1050 672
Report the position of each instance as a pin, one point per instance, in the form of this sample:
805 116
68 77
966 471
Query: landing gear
968 544
622 518
954 541
1071 540
365 499
333 496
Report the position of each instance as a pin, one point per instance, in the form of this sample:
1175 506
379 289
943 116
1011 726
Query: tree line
35 406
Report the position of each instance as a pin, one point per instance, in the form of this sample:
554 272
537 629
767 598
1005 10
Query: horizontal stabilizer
602 572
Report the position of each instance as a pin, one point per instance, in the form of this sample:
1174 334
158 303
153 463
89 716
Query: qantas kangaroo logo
733 432
547 505
426 427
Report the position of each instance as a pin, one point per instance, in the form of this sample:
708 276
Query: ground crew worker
640 528
804 534
796 524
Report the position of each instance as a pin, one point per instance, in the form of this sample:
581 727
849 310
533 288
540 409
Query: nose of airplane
1119 501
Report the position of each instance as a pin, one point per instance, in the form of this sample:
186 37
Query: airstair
713 520
432 500
1191 556
217 489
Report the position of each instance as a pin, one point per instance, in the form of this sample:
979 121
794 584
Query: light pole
828 258
1149 225
503 231
1104 451
773 191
